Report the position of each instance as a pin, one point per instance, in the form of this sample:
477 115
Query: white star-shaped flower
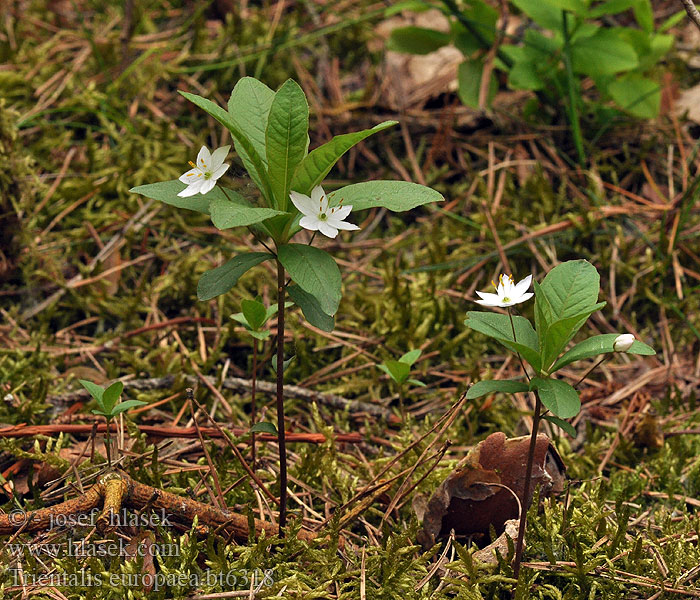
507 293
317 215
201 178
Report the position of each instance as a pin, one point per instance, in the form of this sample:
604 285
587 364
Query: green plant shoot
108 405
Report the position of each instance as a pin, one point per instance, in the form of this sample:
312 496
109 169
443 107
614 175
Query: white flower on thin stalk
507 293
623 342
201 178
318 216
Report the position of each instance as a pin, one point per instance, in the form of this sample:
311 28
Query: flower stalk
519 544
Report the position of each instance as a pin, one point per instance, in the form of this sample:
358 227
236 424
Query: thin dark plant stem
253 408
475 31
526 489
108 445
520 358
595 366
573 96
280 398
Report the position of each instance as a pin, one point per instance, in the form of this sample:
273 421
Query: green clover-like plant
270 132
109 406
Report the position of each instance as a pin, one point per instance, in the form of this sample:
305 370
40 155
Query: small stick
126 492
693 13
212 470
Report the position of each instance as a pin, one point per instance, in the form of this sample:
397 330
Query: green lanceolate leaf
499 327
558 396
410 357
417 40
167 192
637 95
259 173
95 390
254 312
469 77
611 7
603 53
396 196
644 13
221 279
544 14
571 288
111 395
286 138
558 334
318 163
398 371
543 311
311 308
126 405
315 271
285 364
264 427
596 345
562 424
226 214
481 388
249 107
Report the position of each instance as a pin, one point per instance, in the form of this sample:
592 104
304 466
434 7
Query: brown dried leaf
469 503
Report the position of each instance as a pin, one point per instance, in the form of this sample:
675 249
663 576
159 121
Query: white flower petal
505 287
219 172
304 204
309 222
524 297
522 286
207 186
218 157
489 299
191 176
489 302
204 158
327 229
190 190
338 224
340 213
317 194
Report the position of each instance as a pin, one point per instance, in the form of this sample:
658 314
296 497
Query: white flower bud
623 342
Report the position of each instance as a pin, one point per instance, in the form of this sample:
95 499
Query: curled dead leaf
481 492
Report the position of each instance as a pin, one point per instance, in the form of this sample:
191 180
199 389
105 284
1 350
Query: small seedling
399 371
109 406
254 316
